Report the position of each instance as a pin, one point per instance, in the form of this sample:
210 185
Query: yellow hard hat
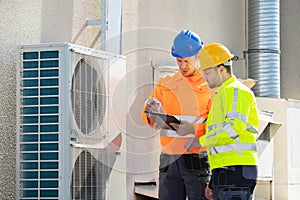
213 55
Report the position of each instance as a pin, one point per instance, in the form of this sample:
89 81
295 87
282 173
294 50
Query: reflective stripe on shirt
192 119
171 133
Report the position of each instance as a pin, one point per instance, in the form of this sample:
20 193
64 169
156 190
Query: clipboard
166 118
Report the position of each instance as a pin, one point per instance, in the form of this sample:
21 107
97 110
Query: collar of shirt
194 78
227 82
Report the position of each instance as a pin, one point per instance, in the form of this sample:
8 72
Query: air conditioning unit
71 114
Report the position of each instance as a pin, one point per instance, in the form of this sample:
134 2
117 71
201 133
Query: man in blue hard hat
186 95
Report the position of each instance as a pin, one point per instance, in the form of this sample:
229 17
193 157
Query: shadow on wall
79 34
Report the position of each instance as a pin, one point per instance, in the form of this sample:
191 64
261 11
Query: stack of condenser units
70 123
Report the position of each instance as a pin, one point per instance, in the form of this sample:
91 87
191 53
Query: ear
222 69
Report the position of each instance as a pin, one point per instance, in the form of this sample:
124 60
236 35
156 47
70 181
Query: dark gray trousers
233 182
180 177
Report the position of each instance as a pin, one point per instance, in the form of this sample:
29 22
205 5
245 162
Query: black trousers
182 176
233 182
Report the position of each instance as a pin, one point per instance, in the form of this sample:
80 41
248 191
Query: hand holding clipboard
164 118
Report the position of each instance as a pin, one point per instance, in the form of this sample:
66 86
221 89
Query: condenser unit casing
70 123
279 163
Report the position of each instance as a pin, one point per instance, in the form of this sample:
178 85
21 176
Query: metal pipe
264 47
103 24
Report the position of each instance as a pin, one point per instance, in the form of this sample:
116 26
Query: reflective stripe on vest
243 118
232 147
236 115
226 127
251 129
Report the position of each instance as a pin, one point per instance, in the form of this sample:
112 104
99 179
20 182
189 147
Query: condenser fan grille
88 97
89 177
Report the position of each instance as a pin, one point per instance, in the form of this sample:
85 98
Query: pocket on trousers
249 172
164 162
194 163
219 178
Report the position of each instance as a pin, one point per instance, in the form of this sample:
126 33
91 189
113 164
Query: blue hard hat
186 44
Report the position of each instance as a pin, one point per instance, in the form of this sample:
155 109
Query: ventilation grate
88 97
39 117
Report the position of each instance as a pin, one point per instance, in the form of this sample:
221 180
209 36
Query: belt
201 154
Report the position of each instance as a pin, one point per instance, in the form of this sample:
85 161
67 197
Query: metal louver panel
38 125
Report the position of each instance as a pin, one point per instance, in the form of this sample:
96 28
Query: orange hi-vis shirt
183 97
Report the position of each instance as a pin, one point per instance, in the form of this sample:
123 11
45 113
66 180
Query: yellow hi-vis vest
231 127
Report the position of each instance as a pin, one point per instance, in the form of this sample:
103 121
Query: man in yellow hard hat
231 128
